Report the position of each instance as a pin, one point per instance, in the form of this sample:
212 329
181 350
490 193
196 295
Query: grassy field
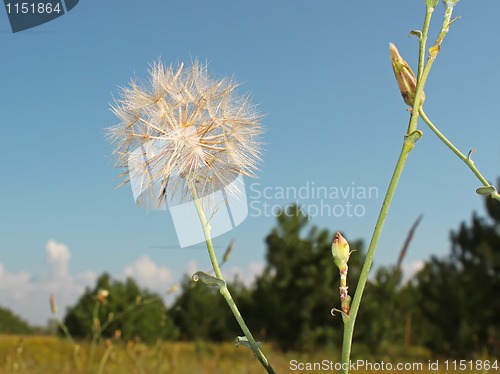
48 354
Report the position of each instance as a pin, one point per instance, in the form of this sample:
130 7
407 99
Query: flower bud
407 81
340 250
102 294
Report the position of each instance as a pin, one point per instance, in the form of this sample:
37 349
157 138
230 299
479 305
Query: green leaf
486 191
345 317
414 136
243 340
208 279
416 33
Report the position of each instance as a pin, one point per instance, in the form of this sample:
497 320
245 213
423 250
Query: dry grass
48 354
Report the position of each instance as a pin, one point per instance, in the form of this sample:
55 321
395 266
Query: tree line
449 307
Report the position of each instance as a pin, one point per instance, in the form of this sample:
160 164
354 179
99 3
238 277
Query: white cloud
148 274
247 275
28 295
57 257
411 268
192 267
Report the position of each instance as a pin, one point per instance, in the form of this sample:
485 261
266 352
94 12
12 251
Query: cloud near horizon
27 295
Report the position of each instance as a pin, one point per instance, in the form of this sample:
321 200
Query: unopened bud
102 294
407 81
340 250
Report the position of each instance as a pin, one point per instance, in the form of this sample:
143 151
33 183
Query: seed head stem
224 290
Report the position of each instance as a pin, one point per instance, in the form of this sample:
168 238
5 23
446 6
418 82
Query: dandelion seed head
185 128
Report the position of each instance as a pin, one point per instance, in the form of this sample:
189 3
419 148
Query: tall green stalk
254 346
349 322
96 333
411 137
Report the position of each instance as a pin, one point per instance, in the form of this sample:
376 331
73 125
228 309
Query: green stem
351 320
128 309
444 29
104 359
75 347
224 290
423 40
96 331
466 159
433 52
411 137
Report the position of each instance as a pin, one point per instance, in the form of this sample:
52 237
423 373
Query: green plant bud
407 81
340 250
432 3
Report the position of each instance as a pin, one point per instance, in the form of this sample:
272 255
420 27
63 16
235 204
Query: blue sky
334 117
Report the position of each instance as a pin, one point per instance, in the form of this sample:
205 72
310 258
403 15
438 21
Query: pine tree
459 294
300 285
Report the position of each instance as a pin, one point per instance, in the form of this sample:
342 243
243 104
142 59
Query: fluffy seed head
185 130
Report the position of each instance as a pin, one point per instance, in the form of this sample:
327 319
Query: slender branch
423 40
96 333
433 52
104 358
224 290
466 159
75 346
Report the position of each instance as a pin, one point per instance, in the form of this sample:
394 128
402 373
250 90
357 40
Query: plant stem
412 135
466 159
423 41
75 347
96 332
128 309
433 52
104 359
350 321
224 290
